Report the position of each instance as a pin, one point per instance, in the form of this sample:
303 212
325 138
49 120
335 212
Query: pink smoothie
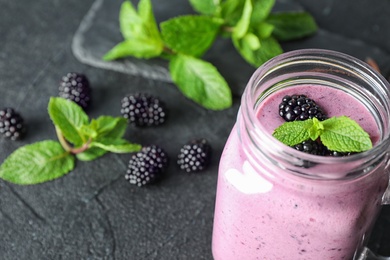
269 214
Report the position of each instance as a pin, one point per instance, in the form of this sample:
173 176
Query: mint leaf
251 41
68 117
141 25
340 134
139 48
292 133
110 126
201 82
106 128
242 26
269 49
91 154
316 129
207 7
190 34
37 163
150 26
247 38
292 25
231 11
261 10
116 145
88 131
256 57
140 30
264 30
343 134
130 23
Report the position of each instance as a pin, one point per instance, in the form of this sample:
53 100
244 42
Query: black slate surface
92 213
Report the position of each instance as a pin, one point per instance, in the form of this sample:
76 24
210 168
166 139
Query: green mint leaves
36 163
183 40
140 31
340 134
291 25
200 81
190 34
207 7
345 135
79 138
68 118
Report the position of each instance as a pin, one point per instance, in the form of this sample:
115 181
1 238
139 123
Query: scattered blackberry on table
194 156
146 166
311 147
11 124
142 109
300 107
75 86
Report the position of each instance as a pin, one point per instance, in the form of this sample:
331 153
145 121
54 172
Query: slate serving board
92 213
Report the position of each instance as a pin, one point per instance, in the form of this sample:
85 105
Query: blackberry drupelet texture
142 109
75 86
11 124
194 156
311 147
338 154
146 166
300 107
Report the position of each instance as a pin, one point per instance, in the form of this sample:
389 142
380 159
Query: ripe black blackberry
142 109
146 166
337 154
75 86
194 156
11 124
300 107
311 147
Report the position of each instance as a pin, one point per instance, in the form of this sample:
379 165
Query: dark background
93 213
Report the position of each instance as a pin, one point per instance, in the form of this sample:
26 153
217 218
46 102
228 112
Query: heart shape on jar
248 181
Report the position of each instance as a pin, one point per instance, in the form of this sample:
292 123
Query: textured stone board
92 213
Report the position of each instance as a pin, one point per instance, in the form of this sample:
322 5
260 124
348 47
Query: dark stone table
93 213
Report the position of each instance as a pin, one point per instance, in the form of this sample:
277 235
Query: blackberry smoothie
270 203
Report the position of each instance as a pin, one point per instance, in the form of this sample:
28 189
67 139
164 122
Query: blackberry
338 154
299 107
194 156
75 86
142 109
146 166
311 147
11 124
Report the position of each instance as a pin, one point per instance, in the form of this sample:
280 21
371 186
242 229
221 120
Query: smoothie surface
334 102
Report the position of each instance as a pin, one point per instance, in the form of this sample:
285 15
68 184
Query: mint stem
62 140
228 29
66 145
169 50
81 148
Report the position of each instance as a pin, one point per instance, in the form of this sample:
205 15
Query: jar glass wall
274 202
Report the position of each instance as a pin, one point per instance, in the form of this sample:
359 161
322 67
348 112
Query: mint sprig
79 138
340 134
252 28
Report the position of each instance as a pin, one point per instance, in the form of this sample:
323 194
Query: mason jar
275 202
